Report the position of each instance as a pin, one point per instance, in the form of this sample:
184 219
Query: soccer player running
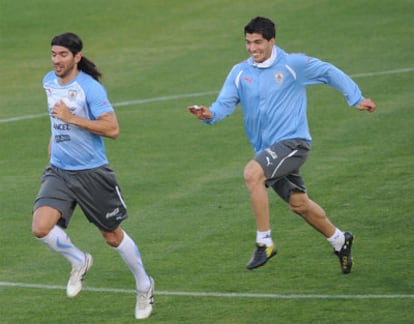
79 173
271 88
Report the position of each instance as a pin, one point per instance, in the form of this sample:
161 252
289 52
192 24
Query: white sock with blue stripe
57 240
129 252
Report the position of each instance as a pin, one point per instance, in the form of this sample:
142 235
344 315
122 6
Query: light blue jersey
74 148
273 95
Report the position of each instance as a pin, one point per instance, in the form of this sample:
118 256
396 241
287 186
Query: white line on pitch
163 98
216 294
369 74
122 104
198 94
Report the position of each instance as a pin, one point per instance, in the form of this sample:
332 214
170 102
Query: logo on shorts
272 154
268 161
112 213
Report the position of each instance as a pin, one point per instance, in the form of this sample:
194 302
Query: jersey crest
279 77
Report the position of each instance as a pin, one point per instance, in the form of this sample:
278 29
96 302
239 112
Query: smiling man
79 173
271 88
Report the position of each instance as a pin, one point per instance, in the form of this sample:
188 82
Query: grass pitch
182 180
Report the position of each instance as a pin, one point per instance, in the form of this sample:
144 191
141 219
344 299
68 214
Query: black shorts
96 191
281 163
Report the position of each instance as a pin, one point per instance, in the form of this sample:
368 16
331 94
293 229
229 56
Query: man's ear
78 57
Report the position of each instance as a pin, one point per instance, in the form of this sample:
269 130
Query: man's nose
55 59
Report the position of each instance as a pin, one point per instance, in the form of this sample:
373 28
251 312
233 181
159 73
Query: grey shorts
281 163
96 191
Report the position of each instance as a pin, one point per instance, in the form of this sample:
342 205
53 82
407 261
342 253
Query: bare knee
44 219
253 174
299 203
39 230
113 238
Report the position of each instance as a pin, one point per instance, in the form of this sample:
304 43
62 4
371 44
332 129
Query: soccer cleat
76 276
344 255
145 300
261 255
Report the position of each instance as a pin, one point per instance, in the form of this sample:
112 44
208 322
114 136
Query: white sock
129 252
57 240
337 240
264 238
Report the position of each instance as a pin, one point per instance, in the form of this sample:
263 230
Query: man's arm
106 125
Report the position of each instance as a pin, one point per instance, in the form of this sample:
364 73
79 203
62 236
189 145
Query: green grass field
189 210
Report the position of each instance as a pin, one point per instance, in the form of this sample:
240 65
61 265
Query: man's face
259 48
64 62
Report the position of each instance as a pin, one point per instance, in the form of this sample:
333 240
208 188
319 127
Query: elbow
113 133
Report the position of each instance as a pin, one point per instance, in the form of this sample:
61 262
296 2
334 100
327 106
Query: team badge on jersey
279 77
72 93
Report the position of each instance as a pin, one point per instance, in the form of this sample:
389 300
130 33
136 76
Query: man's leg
315 216
255 183
129 252
44 228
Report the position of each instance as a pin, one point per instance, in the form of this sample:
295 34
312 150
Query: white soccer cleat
76 276
145 300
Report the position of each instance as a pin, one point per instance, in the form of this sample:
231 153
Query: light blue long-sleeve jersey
273 95
74 148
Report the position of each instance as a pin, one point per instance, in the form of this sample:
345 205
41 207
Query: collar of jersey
268 62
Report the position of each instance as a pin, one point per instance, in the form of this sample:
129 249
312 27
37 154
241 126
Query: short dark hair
74 44
263 26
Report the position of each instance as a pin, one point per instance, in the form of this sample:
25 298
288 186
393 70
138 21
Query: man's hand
201 112
366 104
105 125
61 111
